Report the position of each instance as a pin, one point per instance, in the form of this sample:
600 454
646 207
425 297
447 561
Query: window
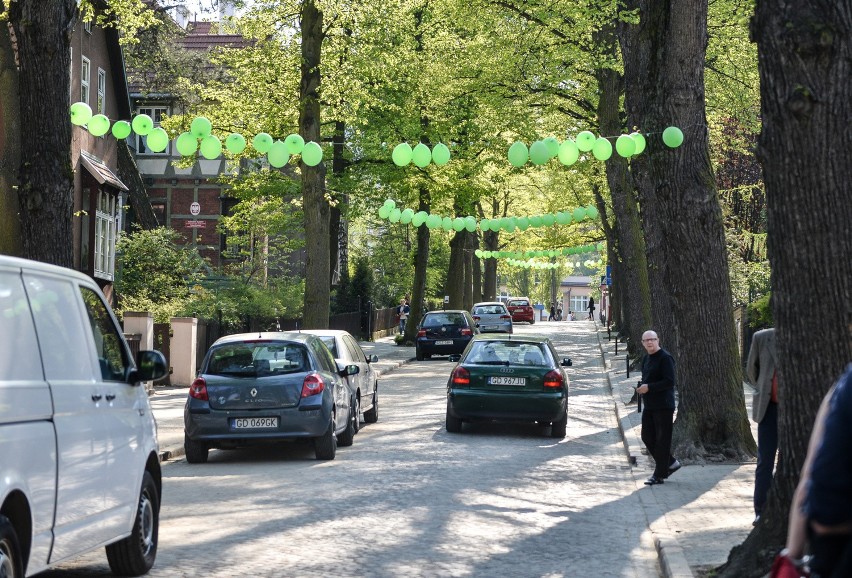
105 235
87 26
85 78
156 113
101 91
579 303
19 356
112 355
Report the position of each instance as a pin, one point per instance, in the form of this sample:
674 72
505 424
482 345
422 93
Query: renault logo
253 392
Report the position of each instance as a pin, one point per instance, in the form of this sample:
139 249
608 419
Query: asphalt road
410 499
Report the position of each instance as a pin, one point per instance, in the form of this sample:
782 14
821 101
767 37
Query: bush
760 313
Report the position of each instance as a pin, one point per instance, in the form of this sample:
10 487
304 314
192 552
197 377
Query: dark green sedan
509 378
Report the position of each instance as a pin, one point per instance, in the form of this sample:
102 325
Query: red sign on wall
195 224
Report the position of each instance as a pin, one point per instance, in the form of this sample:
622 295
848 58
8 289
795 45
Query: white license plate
444 342
500 380
255 422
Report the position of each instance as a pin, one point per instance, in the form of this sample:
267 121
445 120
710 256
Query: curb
672 559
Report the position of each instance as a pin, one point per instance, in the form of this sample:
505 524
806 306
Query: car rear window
258 359
508 353
330 343
489 310
519 303
439 319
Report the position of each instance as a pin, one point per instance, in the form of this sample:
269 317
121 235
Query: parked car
364 385
256 388
443 333
509 378
520 308
492 316
78 441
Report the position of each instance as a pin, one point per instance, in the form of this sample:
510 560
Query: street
410 499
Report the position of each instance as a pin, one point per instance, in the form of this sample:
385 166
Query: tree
805 62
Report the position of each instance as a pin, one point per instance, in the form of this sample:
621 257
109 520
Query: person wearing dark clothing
591 308
657 388
762 375
552 312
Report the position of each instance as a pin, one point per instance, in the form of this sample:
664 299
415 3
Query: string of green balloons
579 250
568 151
394 214
199 138
420 155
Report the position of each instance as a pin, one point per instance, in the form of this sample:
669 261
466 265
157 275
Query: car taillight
312 385
421 333
553 379
461 376
476 317
198 389
466 331
505 317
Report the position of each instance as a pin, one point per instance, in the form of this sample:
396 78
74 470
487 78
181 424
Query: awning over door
100 171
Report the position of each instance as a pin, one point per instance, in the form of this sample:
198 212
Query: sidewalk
167 401
701 512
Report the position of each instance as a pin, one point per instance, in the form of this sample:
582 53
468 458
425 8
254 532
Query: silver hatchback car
492 317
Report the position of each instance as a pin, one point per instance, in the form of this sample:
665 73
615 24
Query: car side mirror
350 370
373 359
150 366
566 362
455 357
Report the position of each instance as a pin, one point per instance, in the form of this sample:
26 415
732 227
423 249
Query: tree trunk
316 209
455 271
468 269
338 237
687 243
43 41
421 263
10 160
476 265
491 240
805 63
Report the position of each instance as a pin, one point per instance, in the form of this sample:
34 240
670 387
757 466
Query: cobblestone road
409 499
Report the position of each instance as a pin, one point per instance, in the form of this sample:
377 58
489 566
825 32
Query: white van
79 465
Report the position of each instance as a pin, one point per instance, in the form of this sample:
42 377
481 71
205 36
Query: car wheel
372 414
346 437
558 428
135 555
11 561
325 446
356 423
532 321
418 354
196 452
454 424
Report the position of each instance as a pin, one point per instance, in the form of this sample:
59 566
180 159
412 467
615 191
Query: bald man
657 387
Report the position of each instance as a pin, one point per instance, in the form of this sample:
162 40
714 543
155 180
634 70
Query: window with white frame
85 79
87 26
101 91
156 113
106 226
579 303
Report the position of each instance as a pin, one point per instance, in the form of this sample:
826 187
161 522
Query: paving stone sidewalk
701 512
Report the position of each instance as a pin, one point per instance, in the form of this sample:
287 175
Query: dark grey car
258 388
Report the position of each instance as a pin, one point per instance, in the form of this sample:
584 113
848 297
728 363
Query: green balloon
639 139
419 218
470 223
591 212
673 137
446 223
548 219
440 154
121 129
539 153
200 127
406 216
157 140
235 143
277 154
99 125
81 113
390 203
295 143
401 154
458 224
312 154
433 221
384 212
625 146
552 146
585 141
568 153
186 144
485 225
563 218
421 156
523 223
262 142
211 147
518 154
142 124
511 224
535 221
602 149
394 216
579 214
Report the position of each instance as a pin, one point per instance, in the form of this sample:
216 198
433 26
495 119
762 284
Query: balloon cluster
568 151
198 138
531 264
516 255
420 155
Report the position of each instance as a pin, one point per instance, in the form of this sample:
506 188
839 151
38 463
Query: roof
19 263
482 303
511 337
204 35
326 332
266 336
100 170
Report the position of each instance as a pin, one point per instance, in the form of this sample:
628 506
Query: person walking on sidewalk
763 376
402 312
657 387
591 308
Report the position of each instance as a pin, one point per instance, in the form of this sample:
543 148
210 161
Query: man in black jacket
657 387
